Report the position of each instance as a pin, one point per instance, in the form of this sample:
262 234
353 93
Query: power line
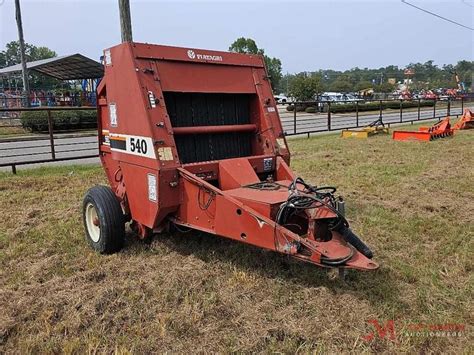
466 3
439 16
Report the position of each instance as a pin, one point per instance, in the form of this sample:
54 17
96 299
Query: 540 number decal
138 145
134 145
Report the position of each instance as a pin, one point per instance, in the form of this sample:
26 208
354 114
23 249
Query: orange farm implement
191 139
466 121
376 127
439 130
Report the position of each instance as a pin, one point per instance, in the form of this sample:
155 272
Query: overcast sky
306 36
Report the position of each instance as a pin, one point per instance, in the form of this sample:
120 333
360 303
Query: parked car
351 98
282 99
336 98
329 96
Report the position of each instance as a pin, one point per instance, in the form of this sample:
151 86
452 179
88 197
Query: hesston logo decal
193 55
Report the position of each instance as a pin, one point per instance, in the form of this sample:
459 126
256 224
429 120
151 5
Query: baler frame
229 175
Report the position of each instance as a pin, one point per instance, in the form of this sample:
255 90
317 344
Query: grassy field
411 202
11 131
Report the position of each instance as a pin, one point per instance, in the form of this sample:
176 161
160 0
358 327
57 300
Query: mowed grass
412 202
6 131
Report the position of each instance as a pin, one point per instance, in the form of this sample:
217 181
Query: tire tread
110 214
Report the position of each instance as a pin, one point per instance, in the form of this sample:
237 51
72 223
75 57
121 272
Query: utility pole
24 71
125 20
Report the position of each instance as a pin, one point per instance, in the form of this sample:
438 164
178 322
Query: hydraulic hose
324 196
350 237
337 262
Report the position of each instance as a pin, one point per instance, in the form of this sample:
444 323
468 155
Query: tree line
11 56
305 85
427 76
302 86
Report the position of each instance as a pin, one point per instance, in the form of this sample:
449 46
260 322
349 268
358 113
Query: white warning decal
113 114
152 193
267 164
107 57
134 145
152 99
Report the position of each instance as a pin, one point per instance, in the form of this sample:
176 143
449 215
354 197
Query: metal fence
338 115
18 147
21 147
48 99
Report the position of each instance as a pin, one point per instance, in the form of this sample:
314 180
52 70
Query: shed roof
67 67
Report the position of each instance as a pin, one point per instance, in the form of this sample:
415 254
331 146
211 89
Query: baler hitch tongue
336 244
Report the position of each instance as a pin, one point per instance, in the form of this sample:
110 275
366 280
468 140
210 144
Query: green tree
427 76
246 46
384 87
304 87
38 53
249 46
363 84
342 84
274 72
285 83
11 56
3 60
465 70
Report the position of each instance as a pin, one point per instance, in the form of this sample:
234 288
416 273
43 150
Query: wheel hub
92 222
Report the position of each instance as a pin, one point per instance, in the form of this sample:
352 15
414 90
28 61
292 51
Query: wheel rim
92 222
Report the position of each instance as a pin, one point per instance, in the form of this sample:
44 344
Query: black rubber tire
111 220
